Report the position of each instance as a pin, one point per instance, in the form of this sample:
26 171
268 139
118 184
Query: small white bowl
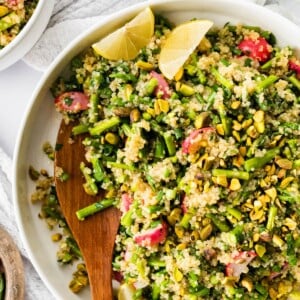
41 121
28 36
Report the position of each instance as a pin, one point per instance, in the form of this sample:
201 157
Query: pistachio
234 184
181 246
144 65
135 115
122 111
174 216
247 123
290 223
259 116
179 231
277 241
178 276
56 237
235 104
272 193
260 250
206 231
163 105
286 181
202 120
247 283
256 214
111 138
185 89
220 180
284 163
220 129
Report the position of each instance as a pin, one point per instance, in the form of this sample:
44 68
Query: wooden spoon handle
13 267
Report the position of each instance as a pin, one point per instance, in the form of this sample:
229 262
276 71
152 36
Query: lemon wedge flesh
180 44
126 42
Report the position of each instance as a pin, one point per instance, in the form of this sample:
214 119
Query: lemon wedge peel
126 42
180 44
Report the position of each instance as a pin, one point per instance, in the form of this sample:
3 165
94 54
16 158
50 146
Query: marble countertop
16 86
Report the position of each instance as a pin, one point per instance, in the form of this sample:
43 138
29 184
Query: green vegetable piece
98 169
258 162
94 208
104 125
221 225
79 129
231 173
90 185
151 86
221 79
234 212
170 143
266 83
271 217
295 82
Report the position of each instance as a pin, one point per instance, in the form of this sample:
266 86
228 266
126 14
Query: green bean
98 169
226 122
90 185
94 110
156 262
271 217
117 165
234 212
79 129
159 151
94 208
170 143
151 86
127 219
266 82
104 125
210 100
185 221
221 79
221 225
231 173
258 162
295 82
126 77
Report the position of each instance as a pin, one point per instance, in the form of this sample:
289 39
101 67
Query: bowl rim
24 30
56 68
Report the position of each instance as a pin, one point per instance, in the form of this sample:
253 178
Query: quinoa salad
204 168
14 14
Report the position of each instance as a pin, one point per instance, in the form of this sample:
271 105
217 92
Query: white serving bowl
28 36
41 122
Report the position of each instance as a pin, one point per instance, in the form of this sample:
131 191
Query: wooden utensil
12 266
96 235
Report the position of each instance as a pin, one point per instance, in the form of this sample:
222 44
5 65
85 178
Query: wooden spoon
12 265
95 235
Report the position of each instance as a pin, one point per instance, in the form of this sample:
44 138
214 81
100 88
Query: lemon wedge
180 44
126 42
